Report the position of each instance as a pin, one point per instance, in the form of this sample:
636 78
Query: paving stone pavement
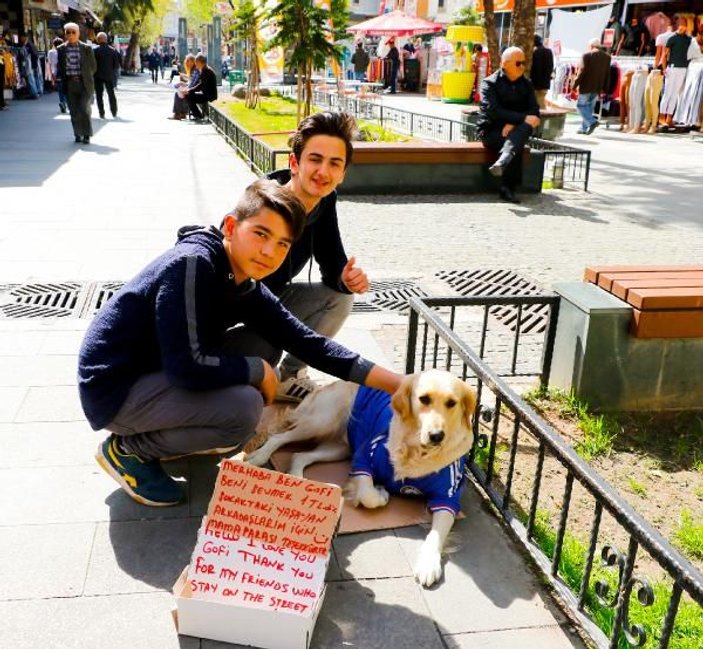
84 565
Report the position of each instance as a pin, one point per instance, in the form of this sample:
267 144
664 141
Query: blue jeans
585 105
360 76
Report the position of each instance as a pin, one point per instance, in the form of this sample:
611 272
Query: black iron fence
262 158
557 505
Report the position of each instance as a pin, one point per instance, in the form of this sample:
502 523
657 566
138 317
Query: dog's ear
400 401
468 403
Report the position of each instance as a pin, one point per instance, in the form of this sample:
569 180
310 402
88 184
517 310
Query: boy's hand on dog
354 278
268 385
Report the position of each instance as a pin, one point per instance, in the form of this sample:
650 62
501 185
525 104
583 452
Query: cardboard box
257 574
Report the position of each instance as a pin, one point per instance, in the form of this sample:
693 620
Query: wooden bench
667 301
422 167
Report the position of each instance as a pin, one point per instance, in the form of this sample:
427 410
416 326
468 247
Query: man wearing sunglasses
77 66
508 117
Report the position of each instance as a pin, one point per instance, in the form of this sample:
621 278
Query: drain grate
100 293
388 295
534 317
60 300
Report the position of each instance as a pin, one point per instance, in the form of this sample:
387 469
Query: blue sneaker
144 480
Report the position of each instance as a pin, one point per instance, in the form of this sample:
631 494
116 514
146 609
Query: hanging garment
636 100
673 85
689 106
652 93
625 97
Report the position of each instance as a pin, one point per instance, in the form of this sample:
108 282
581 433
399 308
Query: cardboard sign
260 559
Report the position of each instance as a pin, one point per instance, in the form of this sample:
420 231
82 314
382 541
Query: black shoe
508 195
86 139
78 139
62 108
102 115
592 127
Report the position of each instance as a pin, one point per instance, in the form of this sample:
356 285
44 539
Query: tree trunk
299 94
131 48
489 23
308 90
252 96
524 29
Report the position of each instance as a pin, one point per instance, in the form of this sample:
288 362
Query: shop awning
508 5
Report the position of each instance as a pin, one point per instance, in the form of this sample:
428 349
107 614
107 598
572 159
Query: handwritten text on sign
274 508
265 540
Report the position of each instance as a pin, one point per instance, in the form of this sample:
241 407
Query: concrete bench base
597 357
431 168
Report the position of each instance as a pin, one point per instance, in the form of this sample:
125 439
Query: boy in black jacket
322 152
157 368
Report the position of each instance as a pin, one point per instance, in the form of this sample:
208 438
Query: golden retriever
413 442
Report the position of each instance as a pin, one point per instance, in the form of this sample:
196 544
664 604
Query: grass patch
689 535
637 487
599 431
688 629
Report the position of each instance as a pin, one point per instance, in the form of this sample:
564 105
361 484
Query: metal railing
517 460
260 156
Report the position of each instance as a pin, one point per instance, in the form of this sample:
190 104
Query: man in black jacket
507 119
108 62
541 71
204 91
592 80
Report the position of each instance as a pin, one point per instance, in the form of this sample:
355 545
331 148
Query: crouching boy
158 367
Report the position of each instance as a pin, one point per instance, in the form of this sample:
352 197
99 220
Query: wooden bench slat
648 299
592 273
621 287
667 324
605 280
370 153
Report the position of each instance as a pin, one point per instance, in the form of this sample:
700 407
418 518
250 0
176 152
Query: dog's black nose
437 436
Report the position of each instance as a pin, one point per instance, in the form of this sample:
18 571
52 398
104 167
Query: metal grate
388 295
61 300
533 317
100 293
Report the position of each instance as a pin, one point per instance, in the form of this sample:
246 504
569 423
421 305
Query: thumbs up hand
354 278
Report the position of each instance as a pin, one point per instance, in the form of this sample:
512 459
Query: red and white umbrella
396 23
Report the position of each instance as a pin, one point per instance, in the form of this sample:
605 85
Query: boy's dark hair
276 197
57 41
201 57
336 124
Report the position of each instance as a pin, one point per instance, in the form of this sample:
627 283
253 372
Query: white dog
413 443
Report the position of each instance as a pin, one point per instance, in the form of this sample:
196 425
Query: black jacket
595 72
505 102
320 240
207 84
108 62
542 68
172 317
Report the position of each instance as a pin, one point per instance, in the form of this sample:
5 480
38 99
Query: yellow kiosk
457 84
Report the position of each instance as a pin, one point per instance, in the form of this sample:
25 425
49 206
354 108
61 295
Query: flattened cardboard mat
400 512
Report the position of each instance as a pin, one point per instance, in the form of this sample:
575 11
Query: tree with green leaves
245 26
306 32
128 16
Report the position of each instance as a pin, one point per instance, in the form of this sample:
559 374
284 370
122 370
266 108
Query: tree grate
387 295
486 282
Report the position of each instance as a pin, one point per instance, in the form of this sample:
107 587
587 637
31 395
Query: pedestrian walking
76 68
592 80
53 59
508 116
154 62
108 66
156 368
29 67
394 57
360 61
542 70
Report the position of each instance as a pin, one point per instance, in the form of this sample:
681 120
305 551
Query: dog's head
434 410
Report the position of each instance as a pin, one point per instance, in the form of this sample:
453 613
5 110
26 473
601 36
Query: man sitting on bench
204 91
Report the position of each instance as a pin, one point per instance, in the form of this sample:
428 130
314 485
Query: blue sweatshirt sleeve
267 316
188 339
444 492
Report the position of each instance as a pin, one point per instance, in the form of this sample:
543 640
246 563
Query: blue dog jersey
368 434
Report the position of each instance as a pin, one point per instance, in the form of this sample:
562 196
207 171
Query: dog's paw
257 458
428 567
374 497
